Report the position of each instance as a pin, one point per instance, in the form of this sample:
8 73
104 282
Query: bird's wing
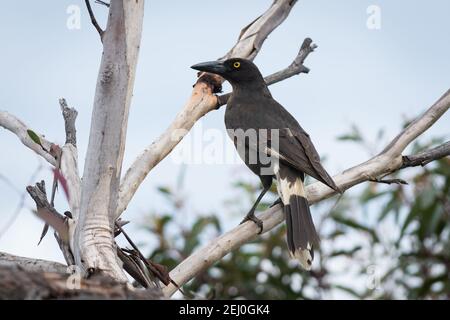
296 150
314 159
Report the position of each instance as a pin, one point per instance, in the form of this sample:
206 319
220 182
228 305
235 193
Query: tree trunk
93 242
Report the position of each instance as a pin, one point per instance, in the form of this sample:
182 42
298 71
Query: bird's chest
243 114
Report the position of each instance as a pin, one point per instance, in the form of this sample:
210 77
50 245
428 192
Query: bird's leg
251 214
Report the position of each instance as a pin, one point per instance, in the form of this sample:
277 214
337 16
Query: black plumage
252 109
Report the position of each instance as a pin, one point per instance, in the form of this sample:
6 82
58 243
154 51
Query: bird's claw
258 222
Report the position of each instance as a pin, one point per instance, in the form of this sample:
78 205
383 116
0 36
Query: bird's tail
301 233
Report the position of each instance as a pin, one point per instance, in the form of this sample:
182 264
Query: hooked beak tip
211 67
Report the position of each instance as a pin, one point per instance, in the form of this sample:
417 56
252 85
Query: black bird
252 110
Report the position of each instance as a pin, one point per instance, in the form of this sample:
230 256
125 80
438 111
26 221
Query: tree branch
94 20
253 35
102 3
388 161
22 284
425 157
62 225
13 124
70 116
69 158
31 265
201 101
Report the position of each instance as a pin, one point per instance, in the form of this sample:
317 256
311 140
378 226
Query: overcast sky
373 78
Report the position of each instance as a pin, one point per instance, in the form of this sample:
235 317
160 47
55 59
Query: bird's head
235 70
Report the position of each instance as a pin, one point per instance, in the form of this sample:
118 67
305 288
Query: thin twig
21 202
389 181
103 3
94 20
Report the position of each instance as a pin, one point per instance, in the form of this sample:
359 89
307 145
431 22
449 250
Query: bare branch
201 101
69 158
21 284
46 211
13 124
102 3
388 161
425 157
94 20
253 35
296 67
389 181
31 265
70 116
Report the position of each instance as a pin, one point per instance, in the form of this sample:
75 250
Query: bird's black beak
216 67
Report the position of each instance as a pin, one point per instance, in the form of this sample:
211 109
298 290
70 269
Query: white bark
16 126
388 161
69 169
93 244
31 265
200 103
69 162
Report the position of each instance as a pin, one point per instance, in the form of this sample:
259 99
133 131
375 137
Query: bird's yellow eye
236 65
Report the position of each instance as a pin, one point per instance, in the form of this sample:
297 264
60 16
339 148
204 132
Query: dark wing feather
296 150
314 159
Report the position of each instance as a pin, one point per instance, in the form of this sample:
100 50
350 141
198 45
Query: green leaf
353 135
33 136
165 190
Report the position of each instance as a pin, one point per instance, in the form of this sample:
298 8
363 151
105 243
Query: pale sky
372 78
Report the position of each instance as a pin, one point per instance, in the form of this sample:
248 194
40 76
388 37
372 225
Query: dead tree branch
94 20
21 284
70 116
16 126
31 265
69 158
425 157
61 224
388 161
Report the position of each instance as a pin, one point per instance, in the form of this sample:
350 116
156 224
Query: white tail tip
304 257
